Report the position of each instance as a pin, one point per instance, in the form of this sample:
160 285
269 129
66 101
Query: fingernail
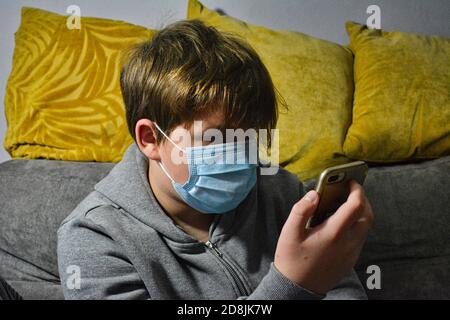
311 196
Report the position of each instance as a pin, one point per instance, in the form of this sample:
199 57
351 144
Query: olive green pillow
401 104
315 78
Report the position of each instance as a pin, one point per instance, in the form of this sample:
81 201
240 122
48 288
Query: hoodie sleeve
90 266
349 288
275 286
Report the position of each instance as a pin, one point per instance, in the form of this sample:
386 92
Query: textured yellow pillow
315 78
63 98
402 96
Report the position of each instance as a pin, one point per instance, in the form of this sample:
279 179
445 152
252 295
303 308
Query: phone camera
333 178
336 178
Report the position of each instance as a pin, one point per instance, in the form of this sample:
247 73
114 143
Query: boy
164 225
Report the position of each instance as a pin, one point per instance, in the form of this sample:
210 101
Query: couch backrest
35 196
410 237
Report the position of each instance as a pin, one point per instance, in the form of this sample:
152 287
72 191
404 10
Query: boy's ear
146 139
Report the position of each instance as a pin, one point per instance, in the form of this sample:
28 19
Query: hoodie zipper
240 284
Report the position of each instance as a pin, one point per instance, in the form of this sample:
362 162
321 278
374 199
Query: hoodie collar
128 187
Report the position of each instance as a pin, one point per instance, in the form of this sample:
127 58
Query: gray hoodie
118 243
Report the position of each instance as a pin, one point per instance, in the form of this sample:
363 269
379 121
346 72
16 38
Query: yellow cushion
63 98
315 78
402 96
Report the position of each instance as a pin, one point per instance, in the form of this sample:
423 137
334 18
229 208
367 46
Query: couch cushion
411 231
401 106
63 98
36 195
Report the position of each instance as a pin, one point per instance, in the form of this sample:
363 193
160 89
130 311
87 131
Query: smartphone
333 187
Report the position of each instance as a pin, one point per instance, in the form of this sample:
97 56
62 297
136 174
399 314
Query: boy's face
164 151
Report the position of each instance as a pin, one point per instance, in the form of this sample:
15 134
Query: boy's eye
203 141
206 142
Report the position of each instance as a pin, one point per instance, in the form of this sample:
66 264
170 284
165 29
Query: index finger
350 211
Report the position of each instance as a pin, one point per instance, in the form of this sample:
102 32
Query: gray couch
409 239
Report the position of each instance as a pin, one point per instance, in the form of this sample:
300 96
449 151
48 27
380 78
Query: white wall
321 18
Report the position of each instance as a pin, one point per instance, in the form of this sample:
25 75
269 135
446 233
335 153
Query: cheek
176 166
180 173
175 163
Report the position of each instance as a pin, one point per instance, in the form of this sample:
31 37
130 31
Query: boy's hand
318 258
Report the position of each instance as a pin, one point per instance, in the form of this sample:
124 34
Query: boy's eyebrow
221 127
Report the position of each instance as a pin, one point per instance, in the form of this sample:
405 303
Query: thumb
295 226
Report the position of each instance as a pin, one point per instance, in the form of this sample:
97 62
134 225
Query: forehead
210 120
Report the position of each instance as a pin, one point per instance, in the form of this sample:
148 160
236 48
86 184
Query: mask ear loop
179 148
167 137
165 171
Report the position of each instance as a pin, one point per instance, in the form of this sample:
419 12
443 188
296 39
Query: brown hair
189 69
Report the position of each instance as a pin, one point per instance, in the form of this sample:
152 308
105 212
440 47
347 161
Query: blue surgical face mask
216 183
